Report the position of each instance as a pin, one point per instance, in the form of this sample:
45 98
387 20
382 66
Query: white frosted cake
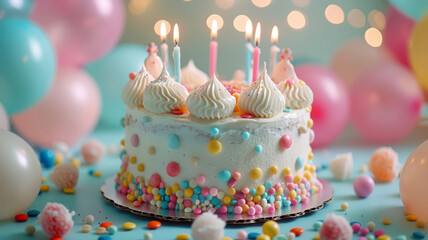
208 149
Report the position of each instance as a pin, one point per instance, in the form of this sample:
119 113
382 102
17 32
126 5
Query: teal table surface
384 202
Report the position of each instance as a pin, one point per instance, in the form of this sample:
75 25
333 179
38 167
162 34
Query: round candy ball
56 220
20 175
65 175
47 158
386 114
335 227
363 186
414 182
384 164
270 228
92 151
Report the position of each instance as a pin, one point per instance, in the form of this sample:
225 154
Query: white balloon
4 120
20 175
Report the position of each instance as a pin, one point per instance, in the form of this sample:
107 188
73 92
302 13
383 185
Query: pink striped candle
213 49
256 54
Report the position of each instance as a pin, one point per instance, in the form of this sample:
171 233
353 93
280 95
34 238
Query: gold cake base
316 202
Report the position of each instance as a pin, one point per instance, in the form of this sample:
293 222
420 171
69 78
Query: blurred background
64 63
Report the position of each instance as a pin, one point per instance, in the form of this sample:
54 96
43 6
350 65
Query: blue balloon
415 9
27 64
15 8
111 73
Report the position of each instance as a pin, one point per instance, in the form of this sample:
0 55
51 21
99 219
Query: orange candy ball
384 164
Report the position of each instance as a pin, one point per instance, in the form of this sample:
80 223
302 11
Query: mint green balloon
111 74
27 64
416 9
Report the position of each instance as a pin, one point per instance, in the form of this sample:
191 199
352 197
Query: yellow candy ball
140 167
260 189
286 171
188 192
297 178
310 123
214 146
263 237
168 191
175 187
255 173
308 175
227 199
292 194
273 170
133 159
270 228
231 191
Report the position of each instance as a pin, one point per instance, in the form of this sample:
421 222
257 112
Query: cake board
316 202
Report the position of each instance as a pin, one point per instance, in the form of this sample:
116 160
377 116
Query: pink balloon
386 103
398 33
68 112
354 57
4 120
80 30
330 110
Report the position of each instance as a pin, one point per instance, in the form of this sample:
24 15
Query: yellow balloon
419 52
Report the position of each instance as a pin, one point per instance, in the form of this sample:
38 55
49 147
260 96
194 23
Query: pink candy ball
386 103
135 140
242 235
56 220
173 169
251 211
200 179
335 227
92 151
363 186
285 141
356 227
364 231
155 180
65 175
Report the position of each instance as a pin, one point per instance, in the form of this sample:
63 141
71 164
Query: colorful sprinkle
44 188
270 228
128 226
30 230
135 140
285 141
214 131
68 190
112 229
299 163
258 148
106 225
173 141
418 235
297 231
224 175
21 217
214 146
255 173
386 221
154 224
411 218
344 206
33 213
246 135
182 236
173 169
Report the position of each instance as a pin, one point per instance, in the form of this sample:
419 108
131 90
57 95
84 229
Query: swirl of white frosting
164 94
297 94
192 76
132 93
211 101
262 98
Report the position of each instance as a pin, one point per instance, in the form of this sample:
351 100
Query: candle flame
248 30
257 35
163 31
176 34
274 35
214 29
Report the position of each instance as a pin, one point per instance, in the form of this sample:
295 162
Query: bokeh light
301 3
219 19
138 7
158 26
373 37
239 23
334 14
296 19
224 4
377 19
356 18
261 3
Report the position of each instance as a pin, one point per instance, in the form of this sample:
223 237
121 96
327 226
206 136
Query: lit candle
164 45
256 53
176 56
213 48
274 50
248 50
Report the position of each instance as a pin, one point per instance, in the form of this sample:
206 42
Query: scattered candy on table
147 236
183 236
208 227
112 229
89 219
344 206
384 164
154 224
44 188
335 227
128 226
47 158
386 221
101 231
363 186
65 175
92 151
371 226
33 213
270 228
30 230
21 217
341 166
86 228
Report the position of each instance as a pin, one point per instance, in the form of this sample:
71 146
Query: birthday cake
229 149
